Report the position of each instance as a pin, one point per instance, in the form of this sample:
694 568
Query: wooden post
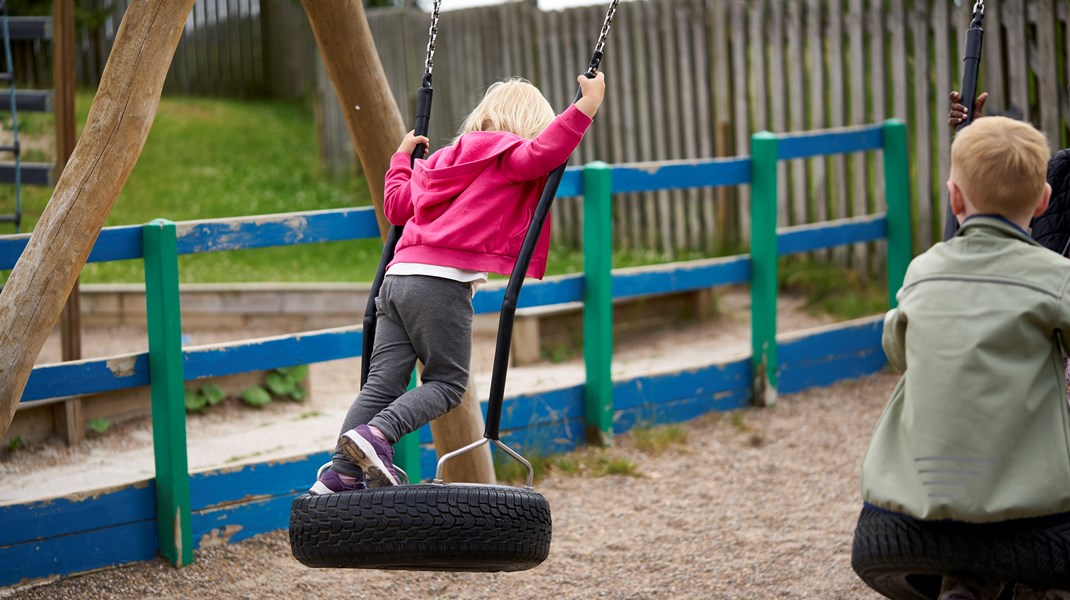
163 312
897 191
70 422
763 264
115 132
372 117
375 128
598 301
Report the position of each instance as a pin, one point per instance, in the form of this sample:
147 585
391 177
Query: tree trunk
115 132
375 128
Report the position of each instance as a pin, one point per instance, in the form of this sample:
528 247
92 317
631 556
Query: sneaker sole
361 452
319 489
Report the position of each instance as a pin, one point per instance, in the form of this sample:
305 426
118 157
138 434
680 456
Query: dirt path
758 507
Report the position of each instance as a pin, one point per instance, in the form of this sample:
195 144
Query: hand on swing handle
412 143
958 110
592 91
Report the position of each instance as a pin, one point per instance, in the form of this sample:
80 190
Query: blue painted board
113 243
244 520
215 235
656 389
799 377
272 353
77 553
212 489
679 175
54 517
678 277
87 377
836 141
558 289
860 335
805 238
680 410
571 183
526 410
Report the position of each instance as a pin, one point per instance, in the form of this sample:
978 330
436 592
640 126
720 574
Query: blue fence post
163 311
598 301
763 255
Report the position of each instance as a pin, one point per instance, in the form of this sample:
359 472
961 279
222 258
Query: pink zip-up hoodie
469 204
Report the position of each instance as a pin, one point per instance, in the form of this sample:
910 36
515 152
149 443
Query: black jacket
1052 229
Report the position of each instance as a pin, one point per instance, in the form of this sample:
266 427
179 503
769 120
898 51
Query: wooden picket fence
687 79
694 78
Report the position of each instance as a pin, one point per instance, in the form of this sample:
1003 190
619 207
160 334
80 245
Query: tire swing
439 526
905 558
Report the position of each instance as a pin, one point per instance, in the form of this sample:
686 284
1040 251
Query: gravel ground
761 506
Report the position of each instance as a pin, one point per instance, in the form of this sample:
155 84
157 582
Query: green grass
209 158
586 462
833 290
657 440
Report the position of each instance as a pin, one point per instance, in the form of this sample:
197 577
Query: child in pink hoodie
466 210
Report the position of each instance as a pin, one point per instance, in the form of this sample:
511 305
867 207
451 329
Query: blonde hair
514 106
1001 165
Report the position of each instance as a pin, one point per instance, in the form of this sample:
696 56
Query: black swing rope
971 63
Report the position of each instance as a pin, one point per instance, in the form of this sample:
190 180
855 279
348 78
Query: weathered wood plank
816 35
856 103
1047 69
796 101
704 109
741 96
717 22
659 80
875 27
778 104
1017 53
945 81
837 118
896 24
921 129
687 145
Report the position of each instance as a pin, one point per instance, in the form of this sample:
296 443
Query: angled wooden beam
118 124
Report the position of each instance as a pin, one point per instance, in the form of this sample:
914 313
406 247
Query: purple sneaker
330 483
374 456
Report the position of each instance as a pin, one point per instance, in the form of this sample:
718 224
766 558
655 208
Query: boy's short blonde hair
1000 164
512 105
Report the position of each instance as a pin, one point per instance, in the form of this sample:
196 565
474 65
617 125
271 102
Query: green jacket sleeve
894 339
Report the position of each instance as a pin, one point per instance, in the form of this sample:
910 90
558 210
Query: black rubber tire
424 528
905 558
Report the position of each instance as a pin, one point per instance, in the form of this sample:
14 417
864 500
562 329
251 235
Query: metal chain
432 35
979 7
600 46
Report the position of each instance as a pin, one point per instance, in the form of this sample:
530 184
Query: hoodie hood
451 170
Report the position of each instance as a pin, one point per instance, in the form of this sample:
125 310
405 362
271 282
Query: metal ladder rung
16 219
14 148
5 77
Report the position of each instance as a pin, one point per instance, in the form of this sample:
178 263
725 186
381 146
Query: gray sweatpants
417 317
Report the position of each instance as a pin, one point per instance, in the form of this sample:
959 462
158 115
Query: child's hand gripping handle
423 115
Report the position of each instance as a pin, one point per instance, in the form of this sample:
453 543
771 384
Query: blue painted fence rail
67 535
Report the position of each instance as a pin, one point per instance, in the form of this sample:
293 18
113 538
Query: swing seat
426 527
905 558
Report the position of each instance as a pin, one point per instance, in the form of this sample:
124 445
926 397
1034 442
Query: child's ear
1043 206
958 202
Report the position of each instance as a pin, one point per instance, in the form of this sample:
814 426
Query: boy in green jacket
978 427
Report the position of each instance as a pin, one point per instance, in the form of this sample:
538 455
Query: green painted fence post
897 192
763 255
598 301
168 392
407 450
